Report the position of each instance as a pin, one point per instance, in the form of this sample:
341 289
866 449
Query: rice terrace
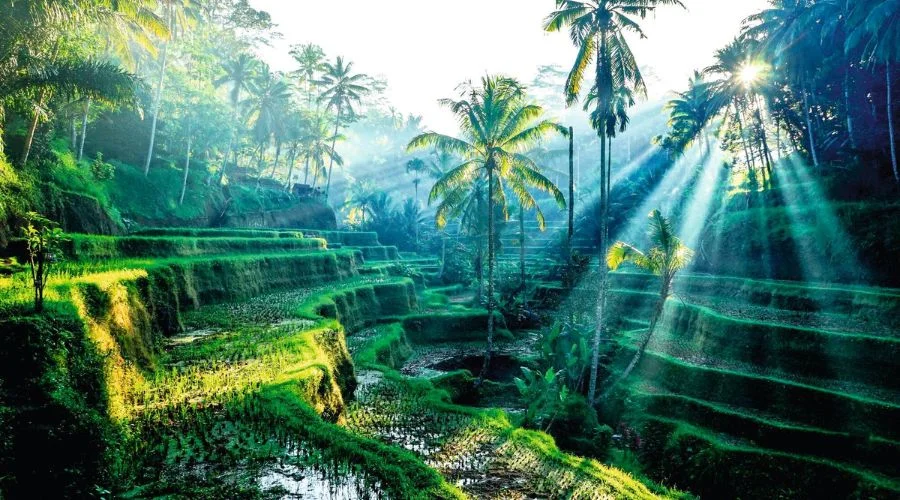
488 249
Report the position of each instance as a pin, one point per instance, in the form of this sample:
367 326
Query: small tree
101 170
667 256
43 238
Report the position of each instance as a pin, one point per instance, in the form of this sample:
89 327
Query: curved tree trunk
290 174
809 128
156 103
187 166
337 124
642 347
890 113
84 124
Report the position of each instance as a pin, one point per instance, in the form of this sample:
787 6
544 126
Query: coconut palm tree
177 14
877 32
597 28
416 166
666 258
342 90
317 149
789 32
498 125
689 114
270 96
238 75
98 81
311 59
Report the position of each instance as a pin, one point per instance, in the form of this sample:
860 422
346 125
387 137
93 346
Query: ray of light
695 217
666 194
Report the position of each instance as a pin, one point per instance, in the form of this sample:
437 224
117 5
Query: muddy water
331 483
463 451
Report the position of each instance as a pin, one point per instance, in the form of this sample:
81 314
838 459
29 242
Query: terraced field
230 376
748 384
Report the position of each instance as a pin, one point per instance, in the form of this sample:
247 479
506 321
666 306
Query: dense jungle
595 249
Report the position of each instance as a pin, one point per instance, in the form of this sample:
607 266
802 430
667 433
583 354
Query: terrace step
768 431
826 408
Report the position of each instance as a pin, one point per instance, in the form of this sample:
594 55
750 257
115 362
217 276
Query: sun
751 73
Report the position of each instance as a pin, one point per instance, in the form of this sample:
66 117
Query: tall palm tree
177 14
416 166
666 258
498 125
238 75
789 31
877 32
690 113
360 199
311 59
74 80
318 147
270 96
342 90
597 28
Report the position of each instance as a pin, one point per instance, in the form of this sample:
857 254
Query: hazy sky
425 48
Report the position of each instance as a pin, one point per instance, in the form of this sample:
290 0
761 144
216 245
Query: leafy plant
543 394
43 238
101 170
667 256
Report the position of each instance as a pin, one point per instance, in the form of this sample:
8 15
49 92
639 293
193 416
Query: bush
101 170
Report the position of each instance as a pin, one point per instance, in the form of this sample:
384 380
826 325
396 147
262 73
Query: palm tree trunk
73 132
890 113
847 108
603 274
187 166
337 124
521 248
443 254
277 157
290 175
306 172
84 124
156 103
571 233
489 349
809 128
657 314
740 122
29 139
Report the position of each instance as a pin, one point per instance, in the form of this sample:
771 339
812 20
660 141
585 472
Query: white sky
425 48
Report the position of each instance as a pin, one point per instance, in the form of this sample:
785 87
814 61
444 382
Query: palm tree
416 166
238 75
666 258
790 33
689 114
360 199
318 147
311 59
270 96
498 125
74 80
176 13
597 28
342 89
877 32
